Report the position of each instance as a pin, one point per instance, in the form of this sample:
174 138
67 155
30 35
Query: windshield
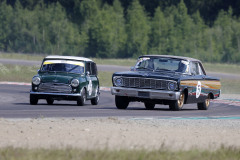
63 66
163 64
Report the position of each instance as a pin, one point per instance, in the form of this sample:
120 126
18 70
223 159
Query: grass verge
16 73
76 154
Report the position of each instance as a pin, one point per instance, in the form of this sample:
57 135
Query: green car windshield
163 64
68 66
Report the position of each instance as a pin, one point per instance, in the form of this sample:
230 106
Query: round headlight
172 86
36 80
75 82
118 81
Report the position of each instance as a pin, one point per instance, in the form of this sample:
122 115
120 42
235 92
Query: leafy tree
159 33
138 30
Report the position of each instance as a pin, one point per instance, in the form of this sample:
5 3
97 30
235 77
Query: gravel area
119 133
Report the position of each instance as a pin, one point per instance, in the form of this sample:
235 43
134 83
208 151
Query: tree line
119 29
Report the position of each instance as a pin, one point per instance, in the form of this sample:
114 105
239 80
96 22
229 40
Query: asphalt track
14 103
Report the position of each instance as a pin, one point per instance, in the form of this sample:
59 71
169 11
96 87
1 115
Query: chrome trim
140 82
153 94
56 94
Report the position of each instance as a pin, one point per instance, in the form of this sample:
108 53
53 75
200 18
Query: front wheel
49 101
82 99
204 105
33 100
149 105
177 104
121 102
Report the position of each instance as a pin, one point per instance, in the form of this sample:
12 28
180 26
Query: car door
92 80
198 84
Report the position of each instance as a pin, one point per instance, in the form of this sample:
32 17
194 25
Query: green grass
32 57
230 86
77 154
222 68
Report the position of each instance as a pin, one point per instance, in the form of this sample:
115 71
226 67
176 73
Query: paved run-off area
120 133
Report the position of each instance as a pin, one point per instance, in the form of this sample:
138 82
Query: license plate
143 94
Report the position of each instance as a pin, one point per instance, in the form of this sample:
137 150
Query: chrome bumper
55 94
145 93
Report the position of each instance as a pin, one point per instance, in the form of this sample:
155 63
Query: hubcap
207 101
181 100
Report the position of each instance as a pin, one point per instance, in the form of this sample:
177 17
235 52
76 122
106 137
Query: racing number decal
90 87
198 89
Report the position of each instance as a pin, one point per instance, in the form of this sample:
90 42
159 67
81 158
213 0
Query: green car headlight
36 80
74 82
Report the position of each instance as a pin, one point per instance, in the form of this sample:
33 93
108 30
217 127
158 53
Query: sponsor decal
198 89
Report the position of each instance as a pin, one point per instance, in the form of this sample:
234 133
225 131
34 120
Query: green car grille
55 88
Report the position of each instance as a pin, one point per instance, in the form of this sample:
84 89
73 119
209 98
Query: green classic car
66 78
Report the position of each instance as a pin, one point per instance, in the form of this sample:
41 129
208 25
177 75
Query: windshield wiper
144 68
164 70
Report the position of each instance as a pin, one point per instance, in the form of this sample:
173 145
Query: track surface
14 103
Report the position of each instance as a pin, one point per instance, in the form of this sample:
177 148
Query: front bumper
59 96
145 93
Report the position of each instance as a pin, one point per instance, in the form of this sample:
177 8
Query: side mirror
87 73
132 68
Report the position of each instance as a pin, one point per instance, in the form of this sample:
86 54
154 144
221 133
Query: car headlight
36 80
118 81
74 82
172 86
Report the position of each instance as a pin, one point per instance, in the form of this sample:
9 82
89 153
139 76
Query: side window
88 68
200 69
195 68
93 69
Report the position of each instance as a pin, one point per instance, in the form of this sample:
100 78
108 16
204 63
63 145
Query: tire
82 99
121 102
95 100
33 100
49 101
149 105
178 104
204 105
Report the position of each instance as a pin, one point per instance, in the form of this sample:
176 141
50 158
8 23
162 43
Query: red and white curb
29 84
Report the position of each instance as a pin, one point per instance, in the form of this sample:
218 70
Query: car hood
57 77
150 74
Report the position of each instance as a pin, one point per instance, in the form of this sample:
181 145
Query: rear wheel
82 99
49 101
121 102
177 104
33 99
204 105
149 105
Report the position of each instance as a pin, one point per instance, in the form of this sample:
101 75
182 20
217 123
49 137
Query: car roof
68 58
171 56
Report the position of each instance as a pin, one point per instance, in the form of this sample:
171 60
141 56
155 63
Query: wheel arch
211 95
185 91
